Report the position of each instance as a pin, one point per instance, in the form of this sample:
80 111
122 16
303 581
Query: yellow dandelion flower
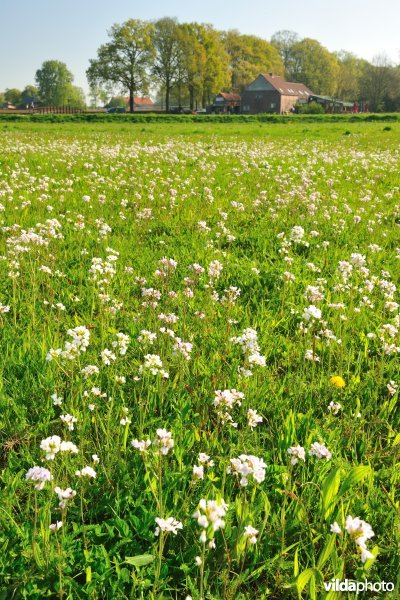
337 381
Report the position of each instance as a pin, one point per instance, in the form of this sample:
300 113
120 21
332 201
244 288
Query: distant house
272 94
225 103
333 105
140 103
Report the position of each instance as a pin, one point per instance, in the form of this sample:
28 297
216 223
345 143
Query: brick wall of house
260 101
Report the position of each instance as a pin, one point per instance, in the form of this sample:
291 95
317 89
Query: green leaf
329 492
296 563
356 475
327 551
141 560
303 579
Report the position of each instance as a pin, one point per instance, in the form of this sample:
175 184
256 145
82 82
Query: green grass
71 192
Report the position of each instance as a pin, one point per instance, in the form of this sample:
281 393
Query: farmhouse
225 103
272 94
140 103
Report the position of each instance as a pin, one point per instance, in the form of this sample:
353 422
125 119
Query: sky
38 30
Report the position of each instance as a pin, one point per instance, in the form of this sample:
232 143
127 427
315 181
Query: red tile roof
230 97
287 88
138 100
144 101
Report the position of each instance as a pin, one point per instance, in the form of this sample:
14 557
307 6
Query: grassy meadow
199 390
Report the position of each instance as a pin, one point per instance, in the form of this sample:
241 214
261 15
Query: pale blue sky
37 30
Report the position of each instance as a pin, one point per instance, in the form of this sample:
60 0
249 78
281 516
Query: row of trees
188 63
191 62
54 86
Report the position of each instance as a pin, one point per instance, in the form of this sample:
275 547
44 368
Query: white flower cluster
297 453
211 513
87 472
153 363
334 407
164 441
250 348
69 420
253 418
392 387
121 343
146 337
311 314
169 525
184 348
230 295
320 451
107 356
90 370
245 466
214 270
53 444
167 266
80 341
102 271
141 445
251 534
64 496
225 401
297 234
360 531
313 294
198 470
39 474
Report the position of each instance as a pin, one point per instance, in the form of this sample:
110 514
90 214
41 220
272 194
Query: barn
225 103
270 93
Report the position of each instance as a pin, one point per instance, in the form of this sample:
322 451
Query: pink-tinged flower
40 475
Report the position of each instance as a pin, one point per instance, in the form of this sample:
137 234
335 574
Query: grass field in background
224 296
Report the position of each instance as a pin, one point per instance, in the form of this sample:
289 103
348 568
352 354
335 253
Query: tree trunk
167 94
131 105
191 97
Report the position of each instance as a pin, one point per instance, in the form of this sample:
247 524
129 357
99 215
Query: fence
56 110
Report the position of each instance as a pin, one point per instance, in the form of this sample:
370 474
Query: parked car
180 110
116 109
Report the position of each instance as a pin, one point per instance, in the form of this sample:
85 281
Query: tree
167 43
204 63
284 41
75 97
351 70
29 94
99 93
249 56
54 81
191 64
380 84
216 74
13 96
314 66
125 60
116 102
